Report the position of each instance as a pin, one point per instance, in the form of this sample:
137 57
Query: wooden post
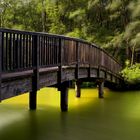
1 40
101 89
77 61
90 60
63 88
33 99
64 99
35 77
60 59
98 71
78 88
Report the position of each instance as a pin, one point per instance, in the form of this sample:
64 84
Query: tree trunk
43 15
132 55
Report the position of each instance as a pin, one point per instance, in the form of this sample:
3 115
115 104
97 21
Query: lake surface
116 117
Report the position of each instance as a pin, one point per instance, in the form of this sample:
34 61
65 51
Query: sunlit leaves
77 14
99 21
132 29
132 73
92 3
114 5
135 8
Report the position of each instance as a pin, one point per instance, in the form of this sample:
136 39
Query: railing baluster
1 59
23 51
13 52
60 59
49 48
77 60
40 50
27 52
31 52
2 41
44 51
6 52
18 52
10 52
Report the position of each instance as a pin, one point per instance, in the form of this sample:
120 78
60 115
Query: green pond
116 117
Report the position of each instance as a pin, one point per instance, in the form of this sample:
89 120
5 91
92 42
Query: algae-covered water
116 117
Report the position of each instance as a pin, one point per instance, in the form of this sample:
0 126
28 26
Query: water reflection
63 122
115 117
33 125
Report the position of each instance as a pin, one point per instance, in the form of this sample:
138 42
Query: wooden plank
68 74
48 79
20 74
108 76
93 73
102 74
15 87
15 75
83 73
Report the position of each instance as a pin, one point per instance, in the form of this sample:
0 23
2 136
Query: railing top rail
57 36
43 33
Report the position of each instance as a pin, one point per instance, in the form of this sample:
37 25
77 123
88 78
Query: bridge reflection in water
30 61
115 117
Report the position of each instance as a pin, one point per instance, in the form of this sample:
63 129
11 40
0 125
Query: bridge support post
78 88
32 100
63 88
64 99
101 88
35 76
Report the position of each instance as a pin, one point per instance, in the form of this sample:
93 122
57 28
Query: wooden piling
63 88
33 100
64 99
78 89
35 77
101 89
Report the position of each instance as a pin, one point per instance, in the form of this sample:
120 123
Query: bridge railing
20 50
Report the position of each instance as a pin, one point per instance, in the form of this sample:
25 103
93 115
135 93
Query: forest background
111 24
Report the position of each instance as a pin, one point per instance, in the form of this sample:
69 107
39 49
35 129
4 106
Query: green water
116 117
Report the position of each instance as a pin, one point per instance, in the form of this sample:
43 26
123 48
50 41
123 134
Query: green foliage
112 24
132 73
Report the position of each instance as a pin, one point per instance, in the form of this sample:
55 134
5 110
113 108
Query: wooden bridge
30 61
